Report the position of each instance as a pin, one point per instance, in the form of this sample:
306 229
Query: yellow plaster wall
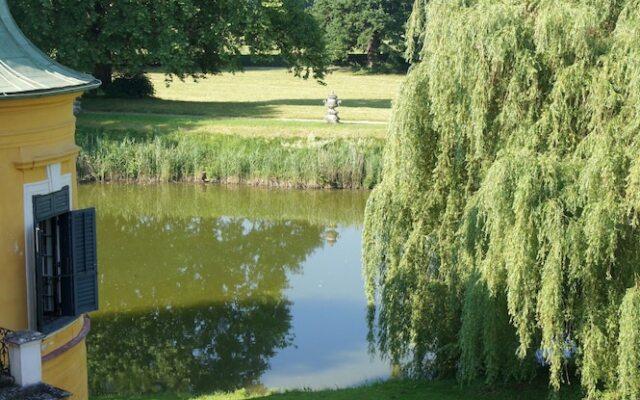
69 370
33 134
13 314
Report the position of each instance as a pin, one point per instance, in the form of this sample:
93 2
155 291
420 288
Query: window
66 260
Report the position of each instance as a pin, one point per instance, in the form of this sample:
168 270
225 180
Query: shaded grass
358 110
263 93
392 390
279 161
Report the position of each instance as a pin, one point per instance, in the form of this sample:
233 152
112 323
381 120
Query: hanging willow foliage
507 221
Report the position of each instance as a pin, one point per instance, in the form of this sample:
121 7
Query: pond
210 288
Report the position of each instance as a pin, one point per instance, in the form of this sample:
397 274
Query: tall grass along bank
306 162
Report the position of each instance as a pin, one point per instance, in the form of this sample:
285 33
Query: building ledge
84 331
31 161
41 391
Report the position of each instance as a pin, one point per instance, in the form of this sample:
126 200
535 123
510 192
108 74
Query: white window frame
55 181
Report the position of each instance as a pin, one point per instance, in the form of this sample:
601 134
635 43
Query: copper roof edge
68 80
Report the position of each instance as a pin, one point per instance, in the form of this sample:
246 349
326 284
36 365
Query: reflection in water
196 301
156 262
205 348
331 234
317 206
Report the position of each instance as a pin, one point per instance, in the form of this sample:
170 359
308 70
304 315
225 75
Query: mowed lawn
248 127
256 102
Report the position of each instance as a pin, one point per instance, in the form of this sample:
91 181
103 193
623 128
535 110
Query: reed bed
308 162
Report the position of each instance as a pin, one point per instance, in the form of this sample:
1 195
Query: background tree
189 37
506 227
375 27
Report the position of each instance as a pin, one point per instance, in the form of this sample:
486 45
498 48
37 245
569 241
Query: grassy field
246 127
263 94
392 390
261 127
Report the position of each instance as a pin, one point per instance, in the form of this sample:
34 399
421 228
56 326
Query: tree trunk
372 50
104 72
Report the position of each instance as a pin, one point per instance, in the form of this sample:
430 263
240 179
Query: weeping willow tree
505 233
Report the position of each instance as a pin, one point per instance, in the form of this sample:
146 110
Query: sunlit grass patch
227 126
263 93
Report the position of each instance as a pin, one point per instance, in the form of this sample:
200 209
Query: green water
207 288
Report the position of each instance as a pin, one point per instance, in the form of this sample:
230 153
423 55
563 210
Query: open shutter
84 260
50 205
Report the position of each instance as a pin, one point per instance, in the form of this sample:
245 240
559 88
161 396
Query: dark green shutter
84 260
50 205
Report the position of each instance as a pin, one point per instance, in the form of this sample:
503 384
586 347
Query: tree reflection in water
192 304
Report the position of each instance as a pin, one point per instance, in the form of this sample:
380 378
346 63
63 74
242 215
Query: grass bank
156 156
392 390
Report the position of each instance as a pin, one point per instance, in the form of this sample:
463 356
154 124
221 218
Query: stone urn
332 103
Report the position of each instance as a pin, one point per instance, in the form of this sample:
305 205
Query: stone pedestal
25 358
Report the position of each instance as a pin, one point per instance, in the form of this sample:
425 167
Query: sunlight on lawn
263 94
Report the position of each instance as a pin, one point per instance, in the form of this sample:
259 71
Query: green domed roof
25 71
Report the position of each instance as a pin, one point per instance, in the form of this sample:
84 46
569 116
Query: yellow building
48 273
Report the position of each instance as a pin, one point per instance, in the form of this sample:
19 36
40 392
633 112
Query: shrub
131 86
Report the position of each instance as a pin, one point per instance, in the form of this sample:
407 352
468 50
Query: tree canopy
189 37
505 232
376 27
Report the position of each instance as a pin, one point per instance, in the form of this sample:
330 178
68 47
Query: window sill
84 328
58 324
